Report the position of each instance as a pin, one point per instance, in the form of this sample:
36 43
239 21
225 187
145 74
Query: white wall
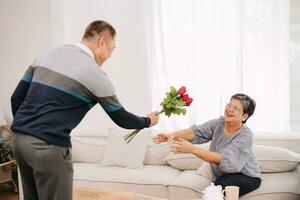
295 65
30 27
127 67
24 34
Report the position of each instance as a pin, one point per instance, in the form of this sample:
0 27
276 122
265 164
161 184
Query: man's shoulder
66 56
74 63
67 48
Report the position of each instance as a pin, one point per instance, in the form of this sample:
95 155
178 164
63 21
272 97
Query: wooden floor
7 192
105 194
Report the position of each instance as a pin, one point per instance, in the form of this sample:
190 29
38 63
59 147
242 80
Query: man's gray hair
97 27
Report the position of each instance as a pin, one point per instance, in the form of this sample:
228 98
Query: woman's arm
183 146
186 134
208 156
195 134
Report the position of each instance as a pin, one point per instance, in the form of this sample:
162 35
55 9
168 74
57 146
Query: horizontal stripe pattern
51 114
109 104
28 74
64 83
87 100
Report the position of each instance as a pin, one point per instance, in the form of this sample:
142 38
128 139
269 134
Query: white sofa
157 178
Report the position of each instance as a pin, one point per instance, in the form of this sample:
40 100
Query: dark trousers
245 183
46 170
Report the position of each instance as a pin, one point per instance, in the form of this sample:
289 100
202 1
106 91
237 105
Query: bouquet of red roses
173 103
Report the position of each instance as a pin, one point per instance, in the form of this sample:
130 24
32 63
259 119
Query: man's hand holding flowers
154 116
173 103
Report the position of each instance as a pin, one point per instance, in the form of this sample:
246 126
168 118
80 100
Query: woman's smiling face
234 111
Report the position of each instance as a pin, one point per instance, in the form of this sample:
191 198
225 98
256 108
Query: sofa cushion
275 159
276 183
185 161
92 149
271 182
156 153
205 171
123 154
88 149
189 179
149 174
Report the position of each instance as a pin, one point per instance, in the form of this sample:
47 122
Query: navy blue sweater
57 91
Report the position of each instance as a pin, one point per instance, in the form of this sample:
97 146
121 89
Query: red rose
188 101
185 97
182 90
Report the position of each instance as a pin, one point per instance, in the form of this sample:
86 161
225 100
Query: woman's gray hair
248 104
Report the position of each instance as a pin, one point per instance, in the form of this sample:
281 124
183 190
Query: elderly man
55 93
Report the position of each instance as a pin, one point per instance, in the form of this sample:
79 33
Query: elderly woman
231 156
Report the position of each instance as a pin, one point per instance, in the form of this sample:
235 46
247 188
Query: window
218 48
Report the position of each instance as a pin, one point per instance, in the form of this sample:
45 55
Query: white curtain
265 64
217 48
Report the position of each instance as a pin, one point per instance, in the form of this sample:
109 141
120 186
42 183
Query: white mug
231 193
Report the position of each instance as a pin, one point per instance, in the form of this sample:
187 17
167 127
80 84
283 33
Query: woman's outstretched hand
163 137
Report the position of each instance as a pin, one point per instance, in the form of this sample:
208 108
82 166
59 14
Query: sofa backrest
91 148
285 140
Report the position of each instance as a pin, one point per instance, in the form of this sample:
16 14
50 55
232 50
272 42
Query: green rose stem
128 137
162 111
173 103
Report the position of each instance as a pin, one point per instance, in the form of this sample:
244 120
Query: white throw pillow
183 161
120 153
275 159
88 149
205 171
156 153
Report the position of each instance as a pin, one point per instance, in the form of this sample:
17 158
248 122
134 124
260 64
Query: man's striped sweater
56 92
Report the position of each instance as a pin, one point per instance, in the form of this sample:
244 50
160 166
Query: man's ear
245 116
101 41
